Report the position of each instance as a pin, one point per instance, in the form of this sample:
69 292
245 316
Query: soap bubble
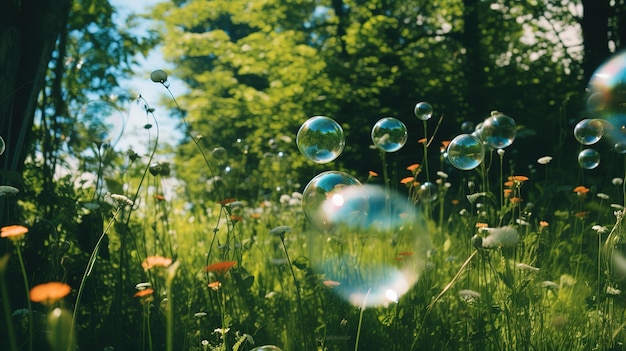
324 207
606 98
2 146
389 134
589 131
427 192
320 139
467 127
466 152
498 131
423 111
266 348
377 259
589 159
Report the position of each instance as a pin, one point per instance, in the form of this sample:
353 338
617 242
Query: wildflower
581 214
156 261
121 200
414 167
220 267
330 283
500 152
504 237
518 178
603 196
373 174
225 202
527 267
236 218
280 231
612 291
284 198
144 292
515 200
469 295
49 293
455 202
422 141
143 286
617 181
13 232
442 174
216 285
159 197
7 190
407 180
509 184
444 144
581 190
200 314
480 225
544 160
543 224
507 192
599 229
521 221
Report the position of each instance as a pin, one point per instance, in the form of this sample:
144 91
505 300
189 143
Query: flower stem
27 289
5 303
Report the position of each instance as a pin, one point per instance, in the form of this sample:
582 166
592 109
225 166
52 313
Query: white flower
617 181
527 267
549 285
442 174
469 295
500 152
599 229
121 200
284 198
521 221
612 291
501 237
544 160
603 196
8 190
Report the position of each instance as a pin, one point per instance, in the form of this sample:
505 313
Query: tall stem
27 289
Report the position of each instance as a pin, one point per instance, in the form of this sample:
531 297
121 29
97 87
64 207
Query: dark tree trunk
28 33
595 30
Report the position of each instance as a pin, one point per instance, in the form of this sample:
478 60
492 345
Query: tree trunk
595 30
28 33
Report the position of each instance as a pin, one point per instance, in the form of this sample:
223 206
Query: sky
135 136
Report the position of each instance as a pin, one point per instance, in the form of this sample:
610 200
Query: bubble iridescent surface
466 152
2 146
266 348
373 261
498 131
320 139
427 192
467 127
389 134
606 98
423 111
589 159
589 131
324 207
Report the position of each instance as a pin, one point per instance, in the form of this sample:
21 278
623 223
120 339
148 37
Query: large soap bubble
606 98
389 134
589 159
589 131
2 146
498 131
320 139
466 152
373 261
324 206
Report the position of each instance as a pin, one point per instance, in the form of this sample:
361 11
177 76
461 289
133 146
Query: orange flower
455 202
509 184
255 215
48 293
156 261
407 180
543 224
515 200
518 178
330 283
373 174
414 167
481 225
581 190
507 193
236 218
226 201
444 144
159 197
13 232
220 267
216 285
422 141
144 293
581 214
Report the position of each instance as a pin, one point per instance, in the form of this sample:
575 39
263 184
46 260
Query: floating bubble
620 147
377 259
467 127
423 111
323 205
466 152
2 146
389 134
589 159
320 139
589 131
427 193
606 98
498 131
266 348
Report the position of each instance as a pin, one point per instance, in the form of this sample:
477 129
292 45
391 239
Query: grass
495 261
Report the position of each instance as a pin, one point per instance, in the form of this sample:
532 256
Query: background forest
213 222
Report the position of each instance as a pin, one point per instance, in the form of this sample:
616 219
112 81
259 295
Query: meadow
467 251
